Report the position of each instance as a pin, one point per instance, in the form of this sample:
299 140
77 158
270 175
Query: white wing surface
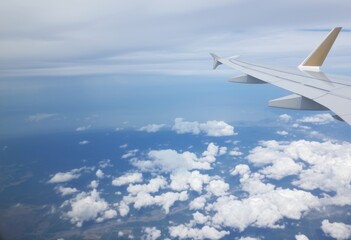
313 90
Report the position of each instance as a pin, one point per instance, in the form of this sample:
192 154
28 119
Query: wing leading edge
313 90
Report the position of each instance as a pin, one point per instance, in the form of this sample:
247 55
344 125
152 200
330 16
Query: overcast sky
41 37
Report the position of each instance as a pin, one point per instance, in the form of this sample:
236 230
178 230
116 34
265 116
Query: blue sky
80 59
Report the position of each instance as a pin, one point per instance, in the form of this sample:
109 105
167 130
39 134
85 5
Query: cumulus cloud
301 237
127 179
41 116
151 233
217 187
99 173
88 207
61 177
153 186
152 128
336 230
323 118
105 163
184 180
198 203
165 200
210 128
170 160
282 133
318 165
94 184
272 153
66 190
187 232
285 117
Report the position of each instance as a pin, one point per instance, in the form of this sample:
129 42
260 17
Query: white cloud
282 133
152 128
301 237
41 116
240 169
99 173
217 187
66 190
206 232
83 128
183 180
281 164
130 153
123 209
153 186
84 142
198 203
336 230
127 179
169 160
123 146
235 152
323 118
262 210
151 233
210 128
285 117
105 163
94 184
61 177
88 207
165 200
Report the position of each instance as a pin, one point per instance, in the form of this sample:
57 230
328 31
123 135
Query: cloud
64 191
99 173
151 233
170 160
153 186
186 232
152 128
217 188
301 237
40 37
318 165
318 119
285 117
105 163
336 230
130 153
127 179
94 184
282 133
84 142
83 128
183 180
88 207
272 153
165 200
210 128
61 177
41 116
198 203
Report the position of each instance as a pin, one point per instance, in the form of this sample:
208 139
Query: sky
91 59
83 66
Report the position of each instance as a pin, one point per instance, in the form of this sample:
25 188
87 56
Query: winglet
315 60
216 61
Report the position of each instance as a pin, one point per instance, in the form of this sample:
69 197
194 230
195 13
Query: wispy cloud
41 116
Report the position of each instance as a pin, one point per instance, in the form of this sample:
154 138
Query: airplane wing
313 90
